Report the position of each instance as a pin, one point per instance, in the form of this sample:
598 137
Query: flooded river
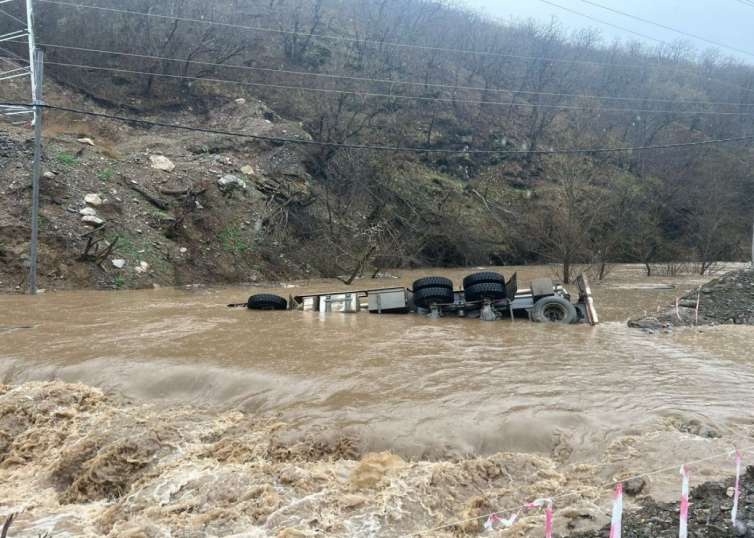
588 403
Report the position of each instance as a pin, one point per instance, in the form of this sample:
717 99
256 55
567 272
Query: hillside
408 73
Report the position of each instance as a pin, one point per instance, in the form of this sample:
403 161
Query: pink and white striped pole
549 517
617 520
737 493
683 530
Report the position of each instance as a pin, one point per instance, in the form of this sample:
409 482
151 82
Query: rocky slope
124 206
725 300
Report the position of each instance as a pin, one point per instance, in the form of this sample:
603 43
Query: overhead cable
404 149
365 94
333 76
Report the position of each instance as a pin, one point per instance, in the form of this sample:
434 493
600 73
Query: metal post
36 60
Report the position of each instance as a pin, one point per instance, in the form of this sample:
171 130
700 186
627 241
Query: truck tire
486 290
483 278
426 297
433 282
555 310
265 301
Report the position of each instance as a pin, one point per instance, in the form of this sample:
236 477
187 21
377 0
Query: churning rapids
164 413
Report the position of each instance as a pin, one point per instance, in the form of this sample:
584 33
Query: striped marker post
617 520
548 520
683 529
737 493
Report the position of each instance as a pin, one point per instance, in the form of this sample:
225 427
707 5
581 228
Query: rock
160 162
49 175
247 170
87 141
142 268
229 183
241 101
88 212
647 324
183 250
634 486
93 199
119 263
92 220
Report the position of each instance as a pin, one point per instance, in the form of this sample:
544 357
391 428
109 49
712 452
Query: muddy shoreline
709 514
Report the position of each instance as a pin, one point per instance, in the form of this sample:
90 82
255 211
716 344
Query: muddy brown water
418 387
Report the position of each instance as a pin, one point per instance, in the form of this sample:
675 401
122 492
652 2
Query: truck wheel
426 297
486 290
483 278
266 301
433 282
555 310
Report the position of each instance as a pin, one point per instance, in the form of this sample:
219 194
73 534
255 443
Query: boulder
229 183
88 212
92 220
93 199
160 162
142 268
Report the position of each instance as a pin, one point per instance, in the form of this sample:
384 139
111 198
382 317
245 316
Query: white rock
93 199
48 175
241 101
88 212
142 268
119 264
230 182
92 220
87 141
248 170
160 162
184 250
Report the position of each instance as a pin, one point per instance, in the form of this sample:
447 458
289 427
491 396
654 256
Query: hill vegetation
432 76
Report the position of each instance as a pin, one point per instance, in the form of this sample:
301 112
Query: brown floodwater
423 389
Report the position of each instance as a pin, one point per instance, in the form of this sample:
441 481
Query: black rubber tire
555 310
265 301
483 278
494 291
426 297
433 282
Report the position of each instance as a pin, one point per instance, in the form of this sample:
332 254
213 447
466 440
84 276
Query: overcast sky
725 21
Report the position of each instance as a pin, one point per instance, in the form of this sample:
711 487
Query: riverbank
709 514
727 300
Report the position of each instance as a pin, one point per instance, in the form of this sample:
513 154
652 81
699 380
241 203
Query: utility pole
36 85
36 70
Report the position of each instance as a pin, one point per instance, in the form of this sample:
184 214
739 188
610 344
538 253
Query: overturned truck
486 296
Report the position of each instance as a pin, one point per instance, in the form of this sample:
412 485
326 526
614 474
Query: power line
665 27
402 149
365 94
12 17
390 81
600 21
393 43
